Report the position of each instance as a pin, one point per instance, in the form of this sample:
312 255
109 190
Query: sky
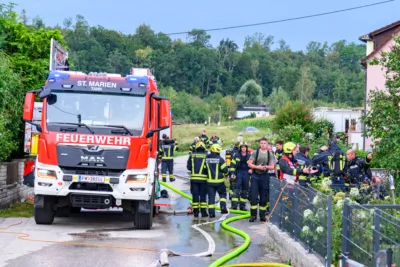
179 15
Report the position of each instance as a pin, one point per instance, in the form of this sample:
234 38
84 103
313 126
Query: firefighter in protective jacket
357 170
290 170
217 169
196 164
303 161
167 149
240 172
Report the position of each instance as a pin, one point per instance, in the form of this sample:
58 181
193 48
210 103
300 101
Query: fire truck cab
97 144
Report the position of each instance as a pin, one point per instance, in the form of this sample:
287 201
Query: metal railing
370 235
305 214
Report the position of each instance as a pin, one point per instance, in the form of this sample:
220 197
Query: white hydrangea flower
307 213
354 192
327 182
315 200
320 229
362 215
306 229
340 203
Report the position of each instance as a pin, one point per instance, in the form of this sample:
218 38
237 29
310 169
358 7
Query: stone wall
289 249
16 191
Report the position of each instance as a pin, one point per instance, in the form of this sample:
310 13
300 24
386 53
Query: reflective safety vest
197 166
291 179
217 168
167 149
278 156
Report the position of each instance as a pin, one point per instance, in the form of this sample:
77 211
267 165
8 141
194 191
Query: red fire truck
98 143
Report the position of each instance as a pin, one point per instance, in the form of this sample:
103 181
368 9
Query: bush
292 133
293 114
319 127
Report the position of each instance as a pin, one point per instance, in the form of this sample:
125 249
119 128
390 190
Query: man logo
94 148
92 159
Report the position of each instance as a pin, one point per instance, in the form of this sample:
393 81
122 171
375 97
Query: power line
289 19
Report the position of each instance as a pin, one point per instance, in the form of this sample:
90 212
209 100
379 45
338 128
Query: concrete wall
289 249
13 192
339 116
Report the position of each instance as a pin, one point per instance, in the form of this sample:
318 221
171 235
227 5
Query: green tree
382 121
293 114
249 94
11 101
277 99
305 86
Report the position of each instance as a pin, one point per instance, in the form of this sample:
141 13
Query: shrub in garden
291 133
320 125
293 114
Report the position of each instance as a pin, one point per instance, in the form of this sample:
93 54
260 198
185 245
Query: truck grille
85 171
90 201
91 187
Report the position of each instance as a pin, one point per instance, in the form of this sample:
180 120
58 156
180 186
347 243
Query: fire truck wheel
144 221
46 214
63 212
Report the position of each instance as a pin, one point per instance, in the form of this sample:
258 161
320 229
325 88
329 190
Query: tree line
199 78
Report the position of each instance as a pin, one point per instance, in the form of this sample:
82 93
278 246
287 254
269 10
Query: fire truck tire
46 214
63 212
144 221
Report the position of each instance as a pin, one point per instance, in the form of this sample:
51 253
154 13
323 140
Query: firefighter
167 149
203 137
303 161
217 168
192 147
198 179
357 170
260 161
234 153
290 171
278 155
214 140
240 172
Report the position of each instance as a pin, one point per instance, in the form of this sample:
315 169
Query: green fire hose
241 248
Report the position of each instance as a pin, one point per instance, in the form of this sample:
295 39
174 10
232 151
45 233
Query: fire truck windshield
96 110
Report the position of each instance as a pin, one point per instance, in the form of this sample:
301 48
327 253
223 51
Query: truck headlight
48 174
136 178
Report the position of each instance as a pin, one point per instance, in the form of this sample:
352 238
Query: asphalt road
107 238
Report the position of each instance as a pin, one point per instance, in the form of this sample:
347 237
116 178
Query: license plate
90 179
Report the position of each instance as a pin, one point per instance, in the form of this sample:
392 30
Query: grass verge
18 209
185 134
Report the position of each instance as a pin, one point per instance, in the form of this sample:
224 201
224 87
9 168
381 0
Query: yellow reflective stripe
342 162
195 204
263 208
253 207
302 178
222 199
294 171
330 162
167 157
198 178
223 165
243 200
215 181
216 170
211 206
235 199
203 204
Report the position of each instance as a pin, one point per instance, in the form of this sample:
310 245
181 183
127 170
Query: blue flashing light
54 75
137 79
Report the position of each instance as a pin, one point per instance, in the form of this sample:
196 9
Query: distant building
378 41
246 110
343 118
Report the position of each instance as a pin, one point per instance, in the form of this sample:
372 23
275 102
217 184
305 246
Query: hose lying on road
245 215
252 264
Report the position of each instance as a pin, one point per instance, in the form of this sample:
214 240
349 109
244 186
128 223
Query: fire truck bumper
132 184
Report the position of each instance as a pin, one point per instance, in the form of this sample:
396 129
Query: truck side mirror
165 114
29 105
